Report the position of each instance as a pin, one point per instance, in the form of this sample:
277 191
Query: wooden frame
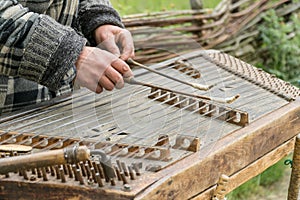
250 143
240 155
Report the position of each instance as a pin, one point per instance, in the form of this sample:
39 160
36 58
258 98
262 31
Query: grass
126 7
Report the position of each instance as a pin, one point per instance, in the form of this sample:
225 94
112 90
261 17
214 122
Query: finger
122 68
106 83
115 77
127 45
99 89
89 83
110 45
95 87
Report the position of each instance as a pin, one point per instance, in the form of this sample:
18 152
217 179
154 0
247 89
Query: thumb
110 45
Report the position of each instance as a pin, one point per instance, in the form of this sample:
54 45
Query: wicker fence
230 27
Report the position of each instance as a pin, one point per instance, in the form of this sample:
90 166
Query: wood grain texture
252 170
228 155
293 193
36 190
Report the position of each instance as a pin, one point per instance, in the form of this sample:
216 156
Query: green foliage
260 184
273 174
126 7
211 3
246 190
281 46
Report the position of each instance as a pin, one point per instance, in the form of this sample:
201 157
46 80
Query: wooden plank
200 171
35 190
294 187
252 170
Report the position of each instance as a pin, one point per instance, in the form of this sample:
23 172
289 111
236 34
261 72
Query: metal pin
93 174
88 170
113 182
124 179
90 163
119 165
52 171
79 176
66 171
44 173
95 166
82 169
131 173
124 169
39 173
62 175
70 172
194 85
99 180
100 170
47 169
20 172
118 173
136 169
74 169
57 172
24 172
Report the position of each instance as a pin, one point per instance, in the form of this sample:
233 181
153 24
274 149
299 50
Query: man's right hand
98 69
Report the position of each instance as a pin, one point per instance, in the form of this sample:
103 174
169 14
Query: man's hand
116 40
98 69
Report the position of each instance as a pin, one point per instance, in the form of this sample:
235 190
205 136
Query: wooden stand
294 187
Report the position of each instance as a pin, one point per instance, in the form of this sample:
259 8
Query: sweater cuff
51 52
92 18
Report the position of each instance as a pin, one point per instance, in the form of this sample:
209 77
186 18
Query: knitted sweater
40 41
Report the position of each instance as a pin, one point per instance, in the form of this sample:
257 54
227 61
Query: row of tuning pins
86 173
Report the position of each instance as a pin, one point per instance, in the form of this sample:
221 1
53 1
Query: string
162 116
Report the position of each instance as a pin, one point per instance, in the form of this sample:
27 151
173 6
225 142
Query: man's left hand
116 40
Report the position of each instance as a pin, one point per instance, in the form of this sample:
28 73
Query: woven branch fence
231 27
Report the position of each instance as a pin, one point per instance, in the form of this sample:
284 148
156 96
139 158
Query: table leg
294 187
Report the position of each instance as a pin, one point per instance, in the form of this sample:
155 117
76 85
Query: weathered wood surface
252 170
183 177
200 171
294 187
35 190
194 174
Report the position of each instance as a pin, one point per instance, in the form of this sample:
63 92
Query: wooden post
294 187
196 4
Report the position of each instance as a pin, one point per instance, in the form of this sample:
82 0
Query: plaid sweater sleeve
94 13
32 45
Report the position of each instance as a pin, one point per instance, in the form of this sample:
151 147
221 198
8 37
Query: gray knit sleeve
36 47
94 13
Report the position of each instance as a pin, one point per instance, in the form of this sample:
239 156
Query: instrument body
162 145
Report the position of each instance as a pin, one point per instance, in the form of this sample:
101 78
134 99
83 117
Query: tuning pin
44 174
